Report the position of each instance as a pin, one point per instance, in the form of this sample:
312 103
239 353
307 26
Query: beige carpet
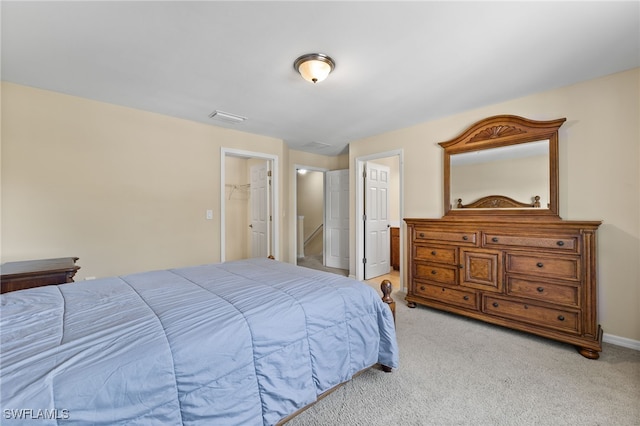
457 371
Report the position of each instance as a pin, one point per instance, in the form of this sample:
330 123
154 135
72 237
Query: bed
249 342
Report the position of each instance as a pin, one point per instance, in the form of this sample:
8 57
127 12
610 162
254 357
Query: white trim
224 152
359 208
621 341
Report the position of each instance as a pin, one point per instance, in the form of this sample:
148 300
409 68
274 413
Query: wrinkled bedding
238 343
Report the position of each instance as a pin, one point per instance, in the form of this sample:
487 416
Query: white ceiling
397 63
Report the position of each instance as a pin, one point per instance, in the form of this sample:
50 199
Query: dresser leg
411 304
588 353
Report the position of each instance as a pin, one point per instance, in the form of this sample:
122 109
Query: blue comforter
238 343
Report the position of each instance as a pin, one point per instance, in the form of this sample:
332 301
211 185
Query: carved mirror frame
499 131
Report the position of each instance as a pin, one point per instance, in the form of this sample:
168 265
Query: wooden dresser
35 273
536 277
504 255
394 249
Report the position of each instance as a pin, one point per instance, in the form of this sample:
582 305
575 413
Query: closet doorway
249 192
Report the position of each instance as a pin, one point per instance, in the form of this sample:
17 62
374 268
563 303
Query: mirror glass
519 171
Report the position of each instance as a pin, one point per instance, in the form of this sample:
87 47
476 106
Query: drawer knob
540 289
433 272
466 297
560 317
422 287
539 265
494 239
465 238
560 243
495 304
421 235
433 253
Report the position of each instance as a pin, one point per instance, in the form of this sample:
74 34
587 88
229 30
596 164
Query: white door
376 220
336 221
260 211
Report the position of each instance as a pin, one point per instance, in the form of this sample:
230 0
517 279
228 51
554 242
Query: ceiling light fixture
314 67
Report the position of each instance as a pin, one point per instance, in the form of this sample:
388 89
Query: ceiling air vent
317 146
227 117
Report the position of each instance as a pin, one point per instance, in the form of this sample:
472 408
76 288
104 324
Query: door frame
275 221
294 196
359 209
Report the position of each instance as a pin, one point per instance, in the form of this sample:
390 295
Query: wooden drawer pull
495 304
560 243
540 289
422 288
466 297
465 238
494 239
421 235
433 272
560 317
539 264
433 253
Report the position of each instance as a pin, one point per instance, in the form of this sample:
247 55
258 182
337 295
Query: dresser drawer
555 267
458 237
559 319
565 243
435 254
547 292
438 273
465 299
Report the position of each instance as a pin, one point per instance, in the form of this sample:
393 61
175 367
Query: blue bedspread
238 343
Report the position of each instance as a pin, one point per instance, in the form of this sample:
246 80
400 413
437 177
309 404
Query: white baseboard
621 341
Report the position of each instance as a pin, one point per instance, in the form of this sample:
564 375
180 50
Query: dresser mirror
501 166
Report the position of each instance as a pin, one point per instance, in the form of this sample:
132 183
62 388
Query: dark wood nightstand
36 273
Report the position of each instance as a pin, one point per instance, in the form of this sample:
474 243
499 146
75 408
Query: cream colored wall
123 189
599 178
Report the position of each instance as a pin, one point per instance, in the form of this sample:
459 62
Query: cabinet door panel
481 269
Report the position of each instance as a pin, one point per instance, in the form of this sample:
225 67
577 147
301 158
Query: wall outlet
209 214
